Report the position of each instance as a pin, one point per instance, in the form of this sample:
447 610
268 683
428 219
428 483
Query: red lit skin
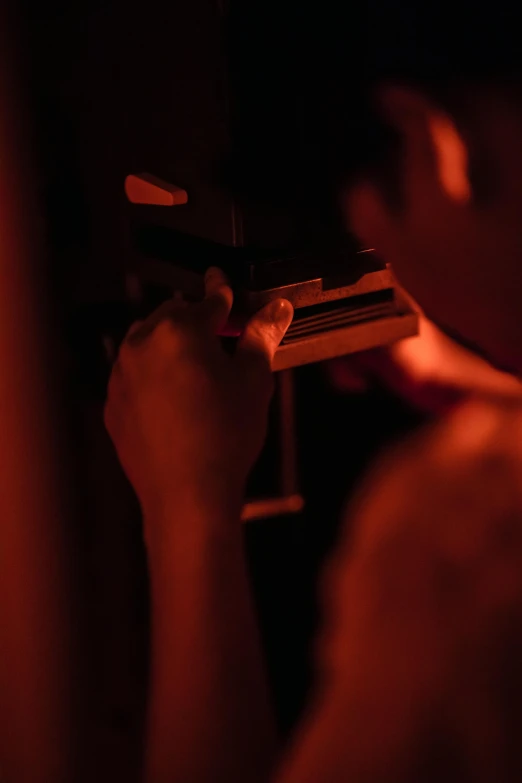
429 371
424 595
454 242
391 645
423 599
423 605
188 422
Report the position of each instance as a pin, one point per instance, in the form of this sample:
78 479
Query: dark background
114 89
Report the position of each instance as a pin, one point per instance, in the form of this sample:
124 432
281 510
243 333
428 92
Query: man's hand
186 418
430 371
188 421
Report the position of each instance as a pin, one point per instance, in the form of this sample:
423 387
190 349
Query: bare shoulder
423 603
440 515
481 428
462 476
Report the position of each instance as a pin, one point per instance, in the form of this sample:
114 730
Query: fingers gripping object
345 298
195 330
258 343
262 334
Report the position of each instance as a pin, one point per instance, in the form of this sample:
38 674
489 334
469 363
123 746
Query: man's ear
433 144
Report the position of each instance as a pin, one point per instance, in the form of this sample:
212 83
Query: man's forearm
209 713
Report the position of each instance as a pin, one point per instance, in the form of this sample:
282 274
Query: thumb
264 332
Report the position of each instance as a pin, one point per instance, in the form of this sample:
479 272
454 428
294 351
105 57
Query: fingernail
281 312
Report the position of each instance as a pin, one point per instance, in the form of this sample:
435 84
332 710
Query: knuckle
263 323
164 332
169 336
256 331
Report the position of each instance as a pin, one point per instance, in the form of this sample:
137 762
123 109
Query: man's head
440 195
412 110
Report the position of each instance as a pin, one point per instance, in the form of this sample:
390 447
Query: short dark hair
306 75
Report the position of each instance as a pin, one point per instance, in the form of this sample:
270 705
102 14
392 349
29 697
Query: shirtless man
418 665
